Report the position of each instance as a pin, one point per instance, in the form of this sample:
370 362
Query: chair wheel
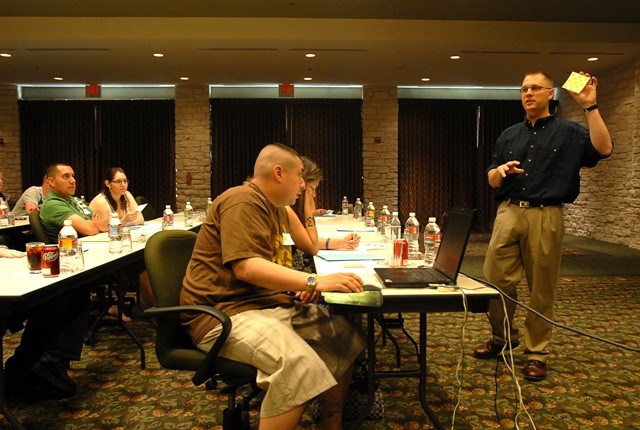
211 384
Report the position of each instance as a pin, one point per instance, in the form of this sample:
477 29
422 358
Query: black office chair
37 229
149 212
166 255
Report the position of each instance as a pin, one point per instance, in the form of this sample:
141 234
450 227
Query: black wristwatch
312 280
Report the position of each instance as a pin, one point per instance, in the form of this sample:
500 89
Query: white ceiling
385 42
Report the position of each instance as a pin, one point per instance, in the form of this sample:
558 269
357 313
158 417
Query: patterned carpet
591 385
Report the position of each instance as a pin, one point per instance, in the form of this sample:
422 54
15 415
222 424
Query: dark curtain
137 135
329 131
239 129
444 147
58 131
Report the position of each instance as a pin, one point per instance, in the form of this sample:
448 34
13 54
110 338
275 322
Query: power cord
459 366
580 332
507 346
508 360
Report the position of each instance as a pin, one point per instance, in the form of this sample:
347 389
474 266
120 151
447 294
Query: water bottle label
67 243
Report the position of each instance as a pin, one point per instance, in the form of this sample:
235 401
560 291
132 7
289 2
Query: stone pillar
608 207
10 160
380 146
193 135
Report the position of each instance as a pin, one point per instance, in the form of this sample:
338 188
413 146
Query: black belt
532 203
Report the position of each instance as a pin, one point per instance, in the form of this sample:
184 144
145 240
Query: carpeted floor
591 384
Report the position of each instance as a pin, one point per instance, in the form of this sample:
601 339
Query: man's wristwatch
312 280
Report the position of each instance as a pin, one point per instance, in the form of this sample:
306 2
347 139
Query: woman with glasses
115 197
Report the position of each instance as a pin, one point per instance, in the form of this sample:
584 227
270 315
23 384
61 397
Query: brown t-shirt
242 224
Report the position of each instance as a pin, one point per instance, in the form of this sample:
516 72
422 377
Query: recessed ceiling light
592 59
5 55
310 55
308 78
455 57
184 78
158 55
425 79
58 78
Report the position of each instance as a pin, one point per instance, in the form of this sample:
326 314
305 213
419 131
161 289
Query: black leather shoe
24 385
535 370
489 350
55 372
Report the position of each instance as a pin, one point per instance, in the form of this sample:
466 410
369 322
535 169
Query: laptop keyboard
432 276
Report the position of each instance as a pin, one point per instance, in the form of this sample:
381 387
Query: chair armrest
205 370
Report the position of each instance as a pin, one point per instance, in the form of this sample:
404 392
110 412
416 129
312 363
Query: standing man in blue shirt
535 170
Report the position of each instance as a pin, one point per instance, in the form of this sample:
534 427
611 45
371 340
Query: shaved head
272 155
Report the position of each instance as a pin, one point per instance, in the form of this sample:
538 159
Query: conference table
20 290
470 295
21 224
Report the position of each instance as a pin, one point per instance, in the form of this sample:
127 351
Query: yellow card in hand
576 82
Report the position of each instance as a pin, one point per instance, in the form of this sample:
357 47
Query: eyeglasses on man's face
534 89
120 181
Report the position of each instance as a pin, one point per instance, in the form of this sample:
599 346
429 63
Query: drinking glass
34 256
126 240
398 252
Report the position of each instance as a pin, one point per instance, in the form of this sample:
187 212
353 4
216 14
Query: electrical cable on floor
580 332
509 362
507 345
459 367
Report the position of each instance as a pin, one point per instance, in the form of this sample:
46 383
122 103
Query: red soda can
50 260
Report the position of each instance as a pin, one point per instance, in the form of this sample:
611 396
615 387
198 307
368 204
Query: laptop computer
455 235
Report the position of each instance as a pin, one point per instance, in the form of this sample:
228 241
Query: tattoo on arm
310 222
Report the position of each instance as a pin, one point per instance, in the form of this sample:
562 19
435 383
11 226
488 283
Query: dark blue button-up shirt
551 152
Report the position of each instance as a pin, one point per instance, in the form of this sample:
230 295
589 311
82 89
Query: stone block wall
608 207
380 146
193 166
10 162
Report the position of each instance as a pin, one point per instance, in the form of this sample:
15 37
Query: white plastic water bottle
68 243
431 241
370 220
188 215
384 220
345 206
167 217
4 214
395 227
115 234
357 209
412 233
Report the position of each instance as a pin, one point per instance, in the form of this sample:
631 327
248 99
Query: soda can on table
50 260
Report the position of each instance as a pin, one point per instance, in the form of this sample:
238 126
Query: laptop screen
457 228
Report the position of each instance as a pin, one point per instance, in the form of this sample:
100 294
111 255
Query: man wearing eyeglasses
535 171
